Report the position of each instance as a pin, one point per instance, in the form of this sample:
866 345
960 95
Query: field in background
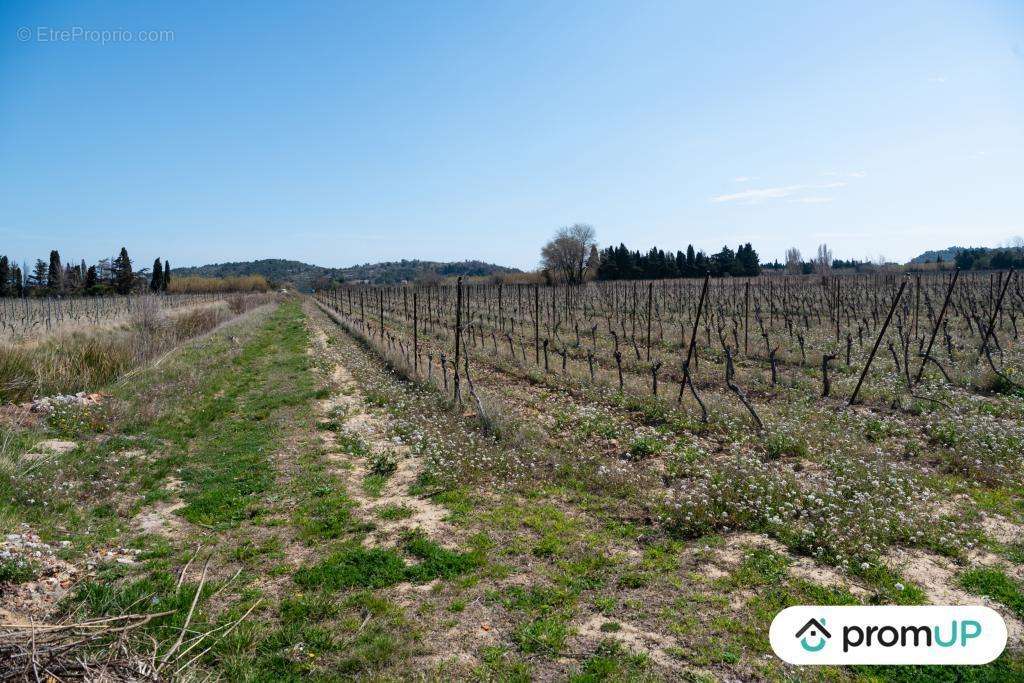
69 345
620 481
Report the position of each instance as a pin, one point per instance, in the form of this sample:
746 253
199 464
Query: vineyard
877 334
621 480
24 318
51 346
823 411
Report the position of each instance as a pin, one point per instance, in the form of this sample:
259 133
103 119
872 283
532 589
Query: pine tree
124 278
157 280
38 276
55 273
5 277
167 276
17 283
91 280
748 261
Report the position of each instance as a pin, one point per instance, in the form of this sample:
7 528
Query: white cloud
743 179
760 195
853 174
813 200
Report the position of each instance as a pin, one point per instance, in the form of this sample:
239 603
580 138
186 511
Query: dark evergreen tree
17 282
156 282
167 276
5 277
55 273
124 278
91 280
690 269
747 259
38 276
723 263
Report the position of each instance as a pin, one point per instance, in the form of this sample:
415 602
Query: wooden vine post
650 300
693 345
415 336
874 349
536 324
938 323
458 336
746 318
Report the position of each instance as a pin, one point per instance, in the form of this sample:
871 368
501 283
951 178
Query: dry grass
194 283
72 361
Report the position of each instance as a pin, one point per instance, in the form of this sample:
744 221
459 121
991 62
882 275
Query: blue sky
340 133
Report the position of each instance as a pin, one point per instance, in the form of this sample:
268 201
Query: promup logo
888 635
815 631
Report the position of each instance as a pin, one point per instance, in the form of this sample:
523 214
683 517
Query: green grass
230 458
995 584
544 635
611 661
357 567
14 571
354 567
394 513
373 485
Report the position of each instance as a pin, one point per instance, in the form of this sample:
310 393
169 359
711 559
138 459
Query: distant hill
947 254
977 258
304 275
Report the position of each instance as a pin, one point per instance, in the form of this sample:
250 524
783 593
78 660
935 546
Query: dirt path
346 414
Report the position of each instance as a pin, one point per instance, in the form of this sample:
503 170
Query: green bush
779 445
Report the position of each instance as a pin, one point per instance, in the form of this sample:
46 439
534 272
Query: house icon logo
815 632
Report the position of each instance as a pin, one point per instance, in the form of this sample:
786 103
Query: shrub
383 464
644 447
780 444
15 571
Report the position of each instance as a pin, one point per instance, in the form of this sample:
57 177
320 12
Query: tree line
980 258
620 263
572 256
57 278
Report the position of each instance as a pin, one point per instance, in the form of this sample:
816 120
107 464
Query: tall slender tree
124 278
55 274
167 276
156 282
5 277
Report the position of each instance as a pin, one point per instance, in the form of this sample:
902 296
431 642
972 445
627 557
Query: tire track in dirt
348 407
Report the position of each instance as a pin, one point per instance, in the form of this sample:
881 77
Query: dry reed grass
68 362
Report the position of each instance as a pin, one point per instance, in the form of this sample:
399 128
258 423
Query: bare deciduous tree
823 260
568 254
793 261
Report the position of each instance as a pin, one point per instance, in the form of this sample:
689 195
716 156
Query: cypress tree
124 278
5 277
55 273
167 276
157 281
17 283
